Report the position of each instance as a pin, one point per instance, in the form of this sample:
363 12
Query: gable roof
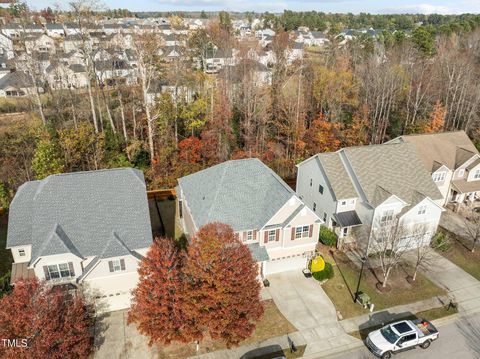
393 169
16 79
337 175
95 213
245 194
451 149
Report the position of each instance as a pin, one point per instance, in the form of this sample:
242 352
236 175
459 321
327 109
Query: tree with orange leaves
158 307
322 136
224 293
436 118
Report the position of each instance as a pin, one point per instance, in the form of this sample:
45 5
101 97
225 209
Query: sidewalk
460 285
391 314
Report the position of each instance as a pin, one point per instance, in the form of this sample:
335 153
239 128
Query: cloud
422 9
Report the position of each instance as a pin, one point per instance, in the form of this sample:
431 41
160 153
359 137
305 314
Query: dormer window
422 209
387 216
62 270
21 252
476 175
439 176
461 172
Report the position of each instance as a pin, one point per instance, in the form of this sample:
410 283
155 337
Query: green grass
342 287
5 254
460 254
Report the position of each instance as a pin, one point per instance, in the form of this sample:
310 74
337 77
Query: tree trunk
92 106
122 113
385 279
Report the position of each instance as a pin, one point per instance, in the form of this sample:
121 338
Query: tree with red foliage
224 293
189 150
55 323
158 307
436 119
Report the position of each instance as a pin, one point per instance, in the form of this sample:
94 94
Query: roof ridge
217 190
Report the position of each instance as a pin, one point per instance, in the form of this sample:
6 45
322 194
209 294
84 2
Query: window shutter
70 268
110 266
45 270
265 237
122 264
277 235
254 235
293 233
310 232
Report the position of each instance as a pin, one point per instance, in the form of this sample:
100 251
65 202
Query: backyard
272 324
342 287
460 254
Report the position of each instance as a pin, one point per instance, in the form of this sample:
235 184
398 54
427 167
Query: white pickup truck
400 336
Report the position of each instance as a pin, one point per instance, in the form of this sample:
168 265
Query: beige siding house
85 229
279 229
453 162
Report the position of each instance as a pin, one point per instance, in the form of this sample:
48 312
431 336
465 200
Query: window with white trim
439 176
116 265
311 182
343 203
461 172
314 206
387 216
476 175
21 252
301 232
61 270
320 189
422 209
249 235
272 235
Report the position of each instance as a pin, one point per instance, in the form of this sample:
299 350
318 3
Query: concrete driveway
304 303
115 339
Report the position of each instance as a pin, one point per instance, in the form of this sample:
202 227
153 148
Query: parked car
401 336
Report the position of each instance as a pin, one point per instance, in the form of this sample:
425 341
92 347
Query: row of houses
91 229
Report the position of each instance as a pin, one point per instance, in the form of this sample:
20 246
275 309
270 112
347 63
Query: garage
284 264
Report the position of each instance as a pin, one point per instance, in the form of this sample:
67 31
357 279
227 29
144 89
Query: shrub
328 237
441 242
327 273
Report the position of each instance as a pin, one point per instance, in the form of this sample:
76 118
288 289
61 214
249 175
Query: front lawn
342 287
460 254
272 324
5 254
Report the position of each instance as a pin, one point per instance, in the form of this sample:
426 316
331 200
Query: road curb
446 320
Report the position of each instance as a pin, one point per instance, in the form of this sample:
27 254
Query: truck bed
424 328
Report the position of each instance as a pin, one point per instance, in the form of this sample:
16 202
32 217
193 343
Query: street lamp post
363 259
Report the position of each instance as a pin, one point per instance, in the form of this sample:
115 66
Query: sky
343 6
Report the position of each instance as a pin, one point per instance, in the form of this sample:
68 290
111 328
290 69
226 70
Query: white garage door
286 264
117 302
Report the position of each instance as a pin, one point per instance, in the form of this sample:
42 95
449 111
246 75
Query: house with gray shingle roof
89 229
453 162
280 231
358 189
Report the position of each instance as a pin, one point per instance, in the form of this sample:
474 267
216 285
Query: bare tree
146 46
472 227
390 240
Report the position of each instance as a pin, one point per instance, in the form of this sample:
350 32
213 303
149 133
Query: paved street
460 339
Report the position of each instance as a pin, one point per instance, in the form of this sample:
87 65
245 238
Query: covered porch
464 195
343 226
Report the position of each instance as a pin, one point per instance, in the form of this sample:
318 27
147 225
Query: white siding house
359 189
85 229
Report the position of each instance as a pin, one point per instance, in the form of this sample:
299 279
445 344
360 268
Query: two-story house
86 229
279 229
358 189
453 162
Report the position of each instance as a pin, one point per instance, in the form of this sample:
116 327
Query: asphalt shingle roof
97 213
451 149
391 169
242 193
337 175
